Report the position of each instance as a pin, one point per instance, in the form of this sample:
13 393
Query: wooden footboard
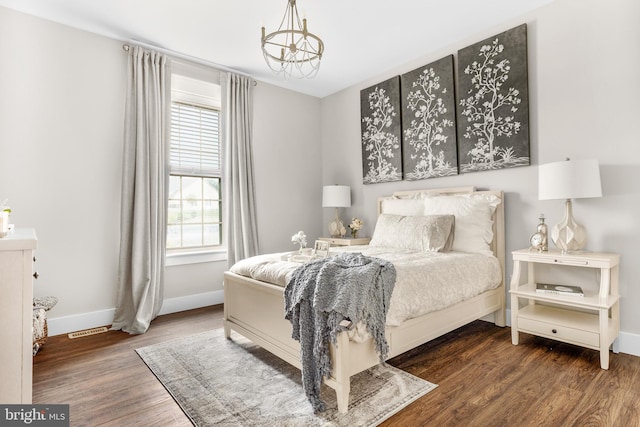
256 310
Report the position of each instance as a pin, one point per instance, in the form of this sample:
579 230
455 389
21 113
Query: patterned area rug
236 383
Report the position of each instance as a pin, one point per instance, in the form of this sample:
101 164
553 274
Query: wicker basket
40 328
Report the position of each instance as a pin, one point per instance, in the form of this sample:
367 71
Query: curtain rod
127 46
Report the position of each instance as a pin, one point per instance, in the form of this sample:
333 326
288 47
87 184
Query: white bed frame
255 310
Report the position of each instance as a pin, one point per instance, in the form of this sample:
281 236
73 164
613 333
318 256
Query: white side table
346 241
591 321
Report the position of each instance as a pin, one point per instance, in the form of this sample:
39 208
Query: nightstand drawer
337 241
559 332
346 241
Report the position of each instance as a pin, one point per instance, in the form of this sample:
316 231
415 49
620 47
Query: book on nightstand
547 288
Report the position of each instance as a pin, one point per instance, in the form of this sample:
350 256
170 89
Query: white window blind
195 140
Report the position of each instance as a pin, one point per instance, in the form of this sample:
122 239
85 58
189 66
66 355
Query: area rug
233 382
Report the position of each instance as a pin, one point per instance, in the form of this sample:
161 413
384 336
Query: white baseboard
175 305
626 343
79 322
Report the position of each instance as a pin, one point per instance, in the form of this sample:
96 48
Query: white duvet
425 281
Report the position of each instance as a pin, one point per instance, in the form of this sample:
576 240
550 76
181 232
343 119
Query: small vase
354 233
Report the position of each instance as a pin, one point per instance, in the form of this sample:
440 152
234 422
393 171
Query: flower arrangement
299 238
356 224
4 218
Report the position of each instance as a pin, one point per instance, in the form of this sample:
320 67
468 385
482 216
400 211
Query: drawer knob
36 275
555 331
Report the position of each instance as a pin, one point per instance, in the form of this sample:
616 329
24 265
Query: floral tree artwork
428 121
381 132
493 113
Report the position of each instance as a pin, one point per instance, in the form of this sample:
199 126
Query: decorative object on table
356 224
321 249
539 239
493 113
429 121
548 288
336 196
381 131
301 239
40 329
292 50
5 212
569 179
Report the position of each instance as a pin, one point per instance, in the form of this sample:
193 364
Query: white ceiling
363 38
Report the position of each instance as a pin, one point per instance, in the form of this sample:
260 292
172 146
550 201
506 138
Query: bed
254 306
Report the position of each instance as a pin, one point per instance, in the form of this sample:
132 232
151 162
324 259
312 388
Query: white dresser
16 315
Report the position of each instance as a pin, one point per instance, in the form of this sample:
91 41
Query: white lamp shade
569 179
336 196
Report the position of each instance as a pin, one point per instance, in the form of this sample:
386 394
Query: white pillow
433 233
404 207
473 225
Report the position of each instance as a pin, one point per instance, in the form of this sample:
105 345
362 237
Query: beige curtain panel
144 201
239 189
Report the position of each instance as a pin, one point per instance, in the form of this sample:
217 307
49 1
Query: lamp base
568 235
336 227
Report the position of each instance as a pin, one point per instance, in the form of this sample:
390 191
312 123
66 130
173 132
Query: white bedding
425 281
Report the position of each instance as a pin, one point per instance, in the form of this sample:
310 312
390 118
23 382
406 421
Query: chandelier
292 50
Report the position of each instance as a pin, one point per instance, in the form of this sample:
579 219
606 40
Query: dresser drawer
559 332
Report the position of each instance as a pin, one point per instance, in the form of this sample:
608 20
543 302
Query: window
194 220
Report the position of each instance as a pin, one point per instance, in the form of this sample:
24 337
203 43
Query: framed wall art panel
493 103
381 132
428 121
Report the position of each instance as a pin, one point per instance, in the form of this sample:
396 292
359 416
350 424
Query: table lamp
569 179
336 196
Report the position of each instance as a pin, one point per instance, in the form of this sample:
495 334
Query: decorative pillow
404 207
473 225
417 233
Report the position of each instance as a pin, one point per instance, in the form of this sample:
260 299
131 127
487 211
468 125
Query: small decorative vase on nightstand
542 229
356 224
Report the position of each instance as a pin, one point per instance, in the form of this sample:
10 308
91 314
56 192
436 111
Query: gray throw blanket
323 293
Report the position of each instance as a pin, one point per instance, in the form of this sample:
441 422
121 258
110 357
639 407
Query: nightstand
591 321
346 241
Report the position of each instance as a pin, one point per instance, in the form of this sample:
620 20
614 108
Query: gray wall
583 87
61 131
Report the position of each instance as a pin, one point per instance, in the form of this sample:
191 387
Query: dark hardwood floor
483 379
